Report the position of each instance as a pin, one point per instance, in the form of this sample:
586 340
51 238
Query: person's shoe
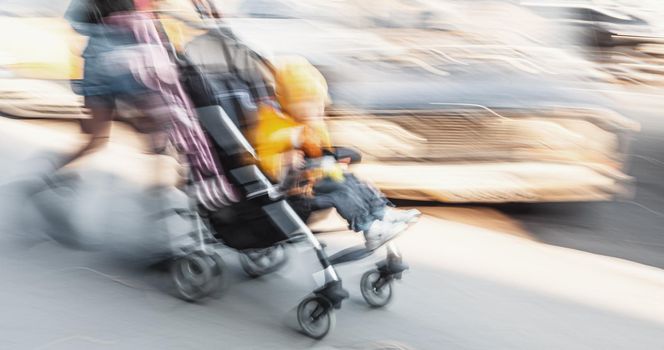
407 216
382 232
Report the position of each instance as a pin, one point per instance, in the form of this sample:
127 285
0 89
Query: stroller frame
315 313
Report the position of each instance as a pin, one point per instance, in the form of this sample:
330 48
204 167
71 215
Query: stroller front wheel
376 289
315 316
197 275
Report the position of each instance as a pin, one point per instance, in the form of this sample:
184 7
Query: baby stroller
262 222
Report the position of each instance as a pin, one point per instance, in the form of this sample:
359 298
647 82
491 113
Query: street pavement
75 276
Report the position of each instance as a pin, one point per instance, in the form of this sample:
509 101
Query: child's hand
294 159
336 174
311 143
332 169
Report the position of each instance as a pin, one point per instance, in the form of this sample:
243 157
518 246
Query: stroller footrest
350 254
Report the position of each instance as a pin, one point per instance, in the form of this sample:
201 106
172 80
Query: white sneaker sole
411 220
373 245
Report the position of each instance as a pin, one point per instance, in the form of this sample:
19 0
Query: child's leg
328 194
379 205
352 207
371 196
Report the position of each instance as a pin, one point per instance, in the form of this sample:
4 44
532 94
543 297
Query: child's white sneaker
382 232
407 216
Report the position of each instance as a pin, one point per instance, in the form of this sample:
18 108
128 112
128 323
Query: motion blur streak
452 174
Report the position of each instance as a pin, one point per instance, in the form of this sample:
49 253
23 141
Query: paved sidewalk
473 283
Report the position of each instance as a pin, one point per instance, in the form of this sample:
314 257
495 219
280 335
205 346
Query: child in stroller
284 138
263 220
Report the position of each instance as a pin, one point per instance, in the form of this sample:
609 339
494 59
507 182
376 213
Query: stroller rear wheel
315 316
376 289
197 275
264 261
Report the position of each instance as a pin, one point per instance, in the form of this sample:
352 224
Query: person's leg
374 200
381 207
354 209
44 165
329 193
303 206
98 127
100 100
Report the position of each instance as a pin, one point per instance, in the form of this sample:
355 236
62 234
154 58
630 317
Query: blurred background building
517 126
449 101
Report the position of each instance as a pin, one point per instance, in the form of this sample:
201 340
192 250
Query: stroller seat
253 222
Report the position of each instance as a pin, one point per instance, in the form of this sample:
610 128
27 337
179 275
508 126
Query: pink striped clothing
167 102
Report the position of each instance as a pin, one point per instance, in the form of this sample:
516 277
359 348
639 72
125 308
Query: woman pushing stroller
127 60
283 139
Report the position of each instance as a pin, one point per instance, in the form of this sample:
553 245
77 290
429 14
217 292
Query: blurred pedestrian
127 59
